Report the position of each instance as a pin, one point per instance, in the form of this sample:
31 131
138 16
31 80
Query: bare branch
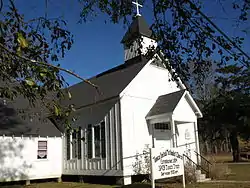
222 6
49 65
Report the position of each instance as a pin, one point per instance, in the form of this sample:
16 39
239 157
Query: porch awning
166 104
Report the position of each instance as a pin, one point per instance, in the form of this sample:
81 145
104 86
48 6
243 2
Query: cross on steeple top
137 7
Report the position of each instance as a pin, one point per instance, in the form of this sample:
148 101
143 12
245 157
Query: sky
97 44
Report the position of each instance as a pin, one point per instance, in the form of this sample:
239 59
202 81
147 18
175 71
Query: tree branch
1 5
219 30
217 42
49 65
211 36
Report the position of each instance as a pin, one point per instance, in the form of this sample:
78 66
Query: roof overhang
168 114
195 107
178 80
159 116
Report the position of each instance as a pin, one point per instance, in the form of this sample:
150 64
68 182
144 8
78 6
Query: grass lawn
239 172
83 185
223 158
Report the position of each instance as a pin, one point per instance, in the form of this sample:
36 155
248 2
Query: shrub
190 173
219 171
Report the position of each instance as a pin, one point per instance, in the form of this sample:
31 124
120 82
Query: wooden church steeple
138 38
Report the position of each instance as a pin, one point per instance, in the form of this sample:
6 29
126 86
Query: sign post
183 176
166 163
152 169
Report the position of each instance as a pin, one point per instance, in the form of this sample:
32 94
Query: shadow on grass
19 184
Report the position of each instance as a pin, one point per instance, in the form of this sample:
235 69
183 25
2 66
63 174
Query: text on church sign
167 163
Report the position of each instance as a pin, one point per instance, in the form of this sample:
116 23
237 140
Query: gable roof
19 118
93 114
166 103
110 84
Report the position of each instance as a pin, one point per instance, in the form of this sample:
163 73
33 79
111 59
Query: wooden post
174 137
153 135
183 176
197 145
152 169
59 179
27 182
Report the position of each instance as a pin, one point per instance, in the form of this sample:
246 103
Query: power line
219 30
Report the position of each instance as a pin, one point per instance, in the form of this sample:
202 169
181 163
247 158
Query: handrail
207 171
190 159
203 157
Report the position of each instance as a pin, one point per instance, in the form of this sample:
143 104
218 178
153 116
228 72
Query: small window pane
74 134
89 138
79 143
74 144
97 141
68 144
103 143
42 145
42 154
162 126
74 148
42 150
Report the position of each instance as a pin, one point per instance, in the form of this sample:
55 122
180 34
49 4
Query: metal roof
166 103
139 27
19 118
110 84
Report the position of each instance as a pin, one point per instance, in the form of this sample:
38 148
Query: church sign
166 163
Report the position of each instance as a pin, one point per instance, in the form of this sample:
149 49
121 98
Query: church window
103 140
162 126
79 143
42 150
96 141
89 137
68 135
74 144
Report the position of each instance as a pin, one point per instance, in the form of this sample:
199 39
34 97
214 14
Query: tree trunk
235 146
206 147
227 147
215 148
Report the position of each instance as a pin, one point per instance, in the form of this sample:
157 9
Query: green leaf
72 107
69 94
19 51
22 41
42 74
29 81
56 110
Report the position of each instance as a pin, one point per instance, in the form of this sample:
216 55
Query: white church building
137 106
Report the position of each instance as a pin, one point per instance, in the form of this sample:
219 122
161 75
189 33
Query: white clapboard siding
109 166
19 160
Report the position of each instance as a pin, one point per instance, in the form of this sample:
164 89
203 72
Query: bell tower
138 39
